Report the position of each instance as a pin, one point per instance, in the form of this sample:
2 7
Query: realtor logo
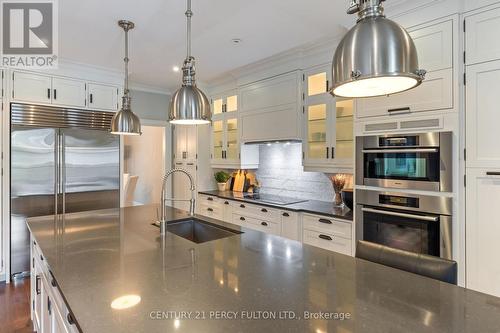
29 33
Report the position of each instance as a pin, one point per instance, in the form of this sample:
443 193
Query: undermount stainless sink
199 231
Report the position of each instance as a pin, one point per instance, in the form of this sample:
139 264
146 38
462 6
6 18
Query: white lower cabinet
327 233
317 230
482 230
48 312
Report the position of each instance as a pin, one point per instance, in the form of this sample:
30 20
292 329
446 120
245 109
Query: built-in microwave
406 161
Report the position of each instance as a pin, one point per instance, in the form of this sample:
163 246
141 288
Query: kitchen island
117 274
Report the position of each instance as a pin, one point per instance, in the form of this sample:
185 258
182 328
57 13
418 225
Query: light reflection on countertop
97 257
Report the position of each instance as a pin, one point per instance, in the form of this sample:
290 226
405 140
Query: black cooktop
273 199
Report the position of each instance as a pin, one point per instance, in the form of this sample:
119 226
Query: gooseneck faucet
164 199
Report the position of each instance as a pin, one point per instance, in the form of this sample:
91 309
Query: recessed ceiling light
176 69
236 41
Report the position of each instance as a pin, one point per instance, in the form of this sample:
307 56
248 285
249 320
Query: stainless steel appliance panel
418 223
33 179
407 161
91 168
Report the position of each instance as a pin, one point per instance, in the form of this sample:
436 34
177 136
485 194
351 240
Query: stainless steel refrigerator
62 161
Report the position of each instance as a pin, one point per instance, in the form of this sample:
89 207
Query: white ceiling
88 33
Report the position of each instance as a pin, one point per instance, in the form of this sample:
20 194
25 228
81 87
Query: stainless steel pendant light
189 105
125 122
376 57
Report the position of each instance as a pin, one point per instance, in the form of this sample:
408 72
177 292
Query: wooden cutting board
239 182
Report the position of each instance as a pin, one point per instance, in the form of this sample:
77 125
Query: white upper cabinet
185 142
30 87
227 151
69 92
270 109
482 230
483 115
481 38
103 97
328 141
434 45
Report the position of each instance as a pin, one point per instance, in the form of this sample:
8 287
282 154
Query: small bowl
347 197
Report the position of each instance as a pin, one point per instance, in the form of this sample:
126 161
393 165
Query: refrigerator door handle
63 171
56 172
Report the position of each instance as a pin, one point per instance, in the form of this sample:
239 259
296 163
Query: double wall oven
415 223
409 161
418 219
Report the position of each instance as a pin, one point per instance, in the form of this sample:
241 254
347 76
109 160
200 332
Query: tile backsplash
281 173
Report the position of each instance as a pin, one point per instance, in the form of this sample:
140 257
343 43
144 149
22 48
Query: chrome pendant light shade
125 122
376 57
189 105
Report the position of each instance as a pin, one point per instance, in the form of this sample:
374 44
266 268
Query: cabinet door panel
482 230
103 97
68 92
270 93
232 145
482 115
191 142
481 36
29 87
278 124
435 93
434 46
218 144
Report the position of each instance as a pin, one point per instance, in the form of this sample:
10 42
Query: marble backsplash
281 173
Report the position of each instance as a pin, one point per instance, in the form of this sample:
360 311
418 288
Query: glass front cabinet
328 143
226 148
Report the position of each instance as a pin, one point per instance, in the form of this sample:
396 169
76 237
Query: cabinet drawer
257 224
212 211
204 199
328 242
327 225
435 93
259 212
290 227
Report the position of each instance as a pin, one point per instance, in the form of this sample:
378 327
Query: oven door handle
388 151
411 216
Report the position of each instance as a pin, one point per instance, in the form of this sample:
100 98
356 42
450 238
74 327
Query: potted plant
221 177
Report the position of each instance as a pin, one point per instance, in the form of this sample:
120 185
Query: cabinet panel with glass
227 151
328 142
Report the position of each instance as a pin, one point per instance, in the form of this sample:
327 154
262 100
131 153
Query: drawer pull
325 221
210 199
286 215
242 206
210 209
242 218
264 224
492 173
263 210
70 319
400 110
226 202
37 284
325 237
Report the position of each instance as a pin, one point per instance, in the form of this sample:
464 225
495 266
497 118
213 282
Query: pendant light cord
189 14
126 59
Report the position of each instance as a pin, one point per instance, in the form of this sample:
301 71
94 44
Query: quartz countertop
97 257
309 206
